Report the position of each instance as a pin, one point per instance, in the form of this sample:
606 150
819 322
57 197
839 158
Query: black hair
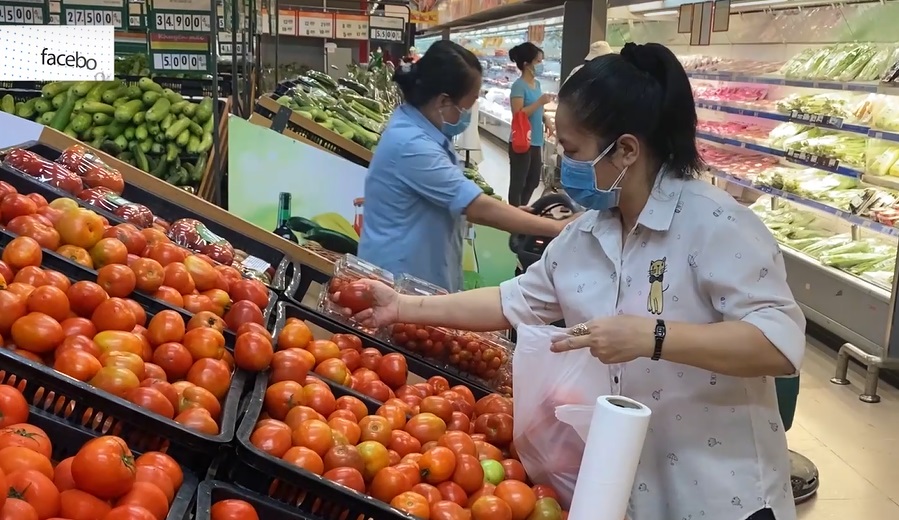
524 53
446 68
644 91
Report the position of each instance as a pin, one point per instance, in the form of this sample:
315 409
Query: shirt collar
415 116
663 202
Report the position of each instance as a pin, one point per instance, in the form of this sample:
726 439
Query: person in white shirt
675 286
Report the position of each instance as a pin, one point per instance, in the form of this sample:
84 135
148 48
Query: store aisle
853 444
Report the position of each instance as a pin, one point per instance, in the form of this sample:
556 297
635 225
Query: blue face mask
538 69
579 181
453 129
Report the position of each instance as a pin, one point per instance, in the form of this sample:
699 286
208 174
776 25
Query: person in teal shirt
528 97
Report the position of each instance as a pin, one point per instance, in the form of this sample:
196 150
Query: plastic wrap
131 212
92 170
46 171
877 65
194 235
349 269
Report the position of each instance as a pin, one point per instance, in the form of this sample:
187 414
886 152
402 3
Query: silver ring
580 330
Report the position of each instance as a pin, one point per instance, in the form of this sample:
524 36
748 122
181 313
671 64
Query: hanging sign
94 12
179 53
386 29
287 22
182 16
317 25
137 14
351 27
227 44
24 12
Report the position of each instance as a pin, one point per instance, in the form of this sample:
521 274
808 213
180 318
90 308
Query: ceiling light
661 13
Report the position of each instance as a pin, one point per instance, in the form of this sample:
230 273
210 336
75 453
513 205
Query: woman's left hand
616 339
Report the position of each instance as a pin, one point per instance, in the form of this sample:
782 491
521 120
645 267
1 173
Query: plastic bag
194 235
44 170
550 449
521 133
91 169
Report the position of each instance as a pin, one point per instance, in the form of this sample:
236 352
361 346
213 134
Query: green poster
263 163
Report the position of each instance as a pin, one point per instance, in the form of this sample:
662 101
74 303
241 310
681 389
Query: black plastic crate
20 94
81 404
310 493
189 87
212 491
67 439
161 207
417 363
283 312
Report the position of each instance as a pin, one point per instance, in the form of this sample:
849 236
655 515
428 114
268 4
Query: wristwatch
660 332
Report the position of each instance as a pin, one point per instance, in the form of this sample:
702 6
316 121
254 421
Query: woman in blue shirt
527 97
416 198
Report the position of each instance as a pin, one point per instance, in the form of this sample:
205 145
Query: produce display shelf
80 404
853 219
67 439
188 87
26 184
170 211
853 86
211 491
417 364
775 116
282 314
256 470
839 170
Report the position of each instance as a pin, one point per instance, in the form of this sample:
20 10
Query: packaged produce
194 235
347 270
877 65
44 170
485 355
886 114
131 212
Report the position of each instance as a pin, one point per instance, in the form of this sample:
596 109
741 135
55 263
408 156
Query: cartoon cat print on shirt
655 303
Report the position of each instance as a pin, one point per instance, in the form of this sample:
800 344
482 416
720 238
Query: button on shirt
530 95
415 196
716 446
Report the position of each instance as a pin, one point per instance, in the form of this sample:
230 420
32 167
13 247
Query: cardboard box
147 182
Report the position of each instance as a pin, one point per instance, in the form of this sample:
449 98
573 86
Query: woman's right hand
384 308
546 98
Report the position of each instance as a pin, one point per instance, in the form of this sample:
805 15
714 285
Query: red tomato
233 510
13 406
104 467
347 477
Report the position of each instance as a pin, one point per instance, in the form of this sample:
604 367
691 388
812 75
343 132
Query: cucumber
139 117
205 143
196 129
147 84
129 133
139 158
51 90
78 104
133 92
101 119
8 104
64 114
42 106
98 132
204 111
178 107
121 101
190 109
125 113
193 144
59 99
333 241
71 133
176 128
82 88
113 94
140 133
150 97
153 129
95 107
172 96
324 79
167 122
183 138
46 118
159 110
82 122
115 129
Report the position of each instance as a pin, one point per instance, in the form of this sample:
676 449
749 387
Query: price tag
182 16
316 25
351 27
287 23
24 12
813 160
177 62
816 119
387 29
228 46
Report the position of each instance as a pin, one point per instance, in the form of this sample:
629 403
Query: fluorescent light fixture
661 13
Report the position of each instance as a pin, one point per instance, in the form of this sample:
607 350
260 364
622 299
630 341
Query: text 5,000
67 60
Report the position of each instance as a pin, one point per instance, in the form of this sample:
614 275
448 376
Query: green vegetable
115 129
59 99
204 111
172 152
41 105
172 96
153 129
193 144
178 107
150 97
361 89
51 90
139 158
95 107
177 127
83 87
190 109
205 143
46 118
98 132
167 122
159 169
126 112
64 113
147 84
109 96
78 104
140 133
139 118
159 110
322 78
208 126
8 104
183 138
121 142
71 133
97 92
145 145
129 133
82 122
133 92
195 129
27 109
121 101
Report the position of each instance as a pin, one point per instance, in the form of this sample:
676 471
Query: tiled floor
854 445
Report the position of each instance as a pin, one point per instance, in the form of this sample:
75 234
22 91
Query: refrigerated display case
799 117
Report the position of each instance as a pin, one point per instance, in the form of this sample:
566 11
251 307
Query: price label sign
181 16
24 12
813 160
228 45
816 119
287 22
351 27
386 29
137 15
316 25
94 12
179 53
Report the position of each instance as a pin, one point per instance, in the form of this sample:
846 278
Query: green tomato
493 471
546 509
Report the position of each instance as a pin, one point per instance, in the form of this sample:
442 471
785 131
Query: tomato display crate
417 364
310 493
281 316
211 491
67 439
171 211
